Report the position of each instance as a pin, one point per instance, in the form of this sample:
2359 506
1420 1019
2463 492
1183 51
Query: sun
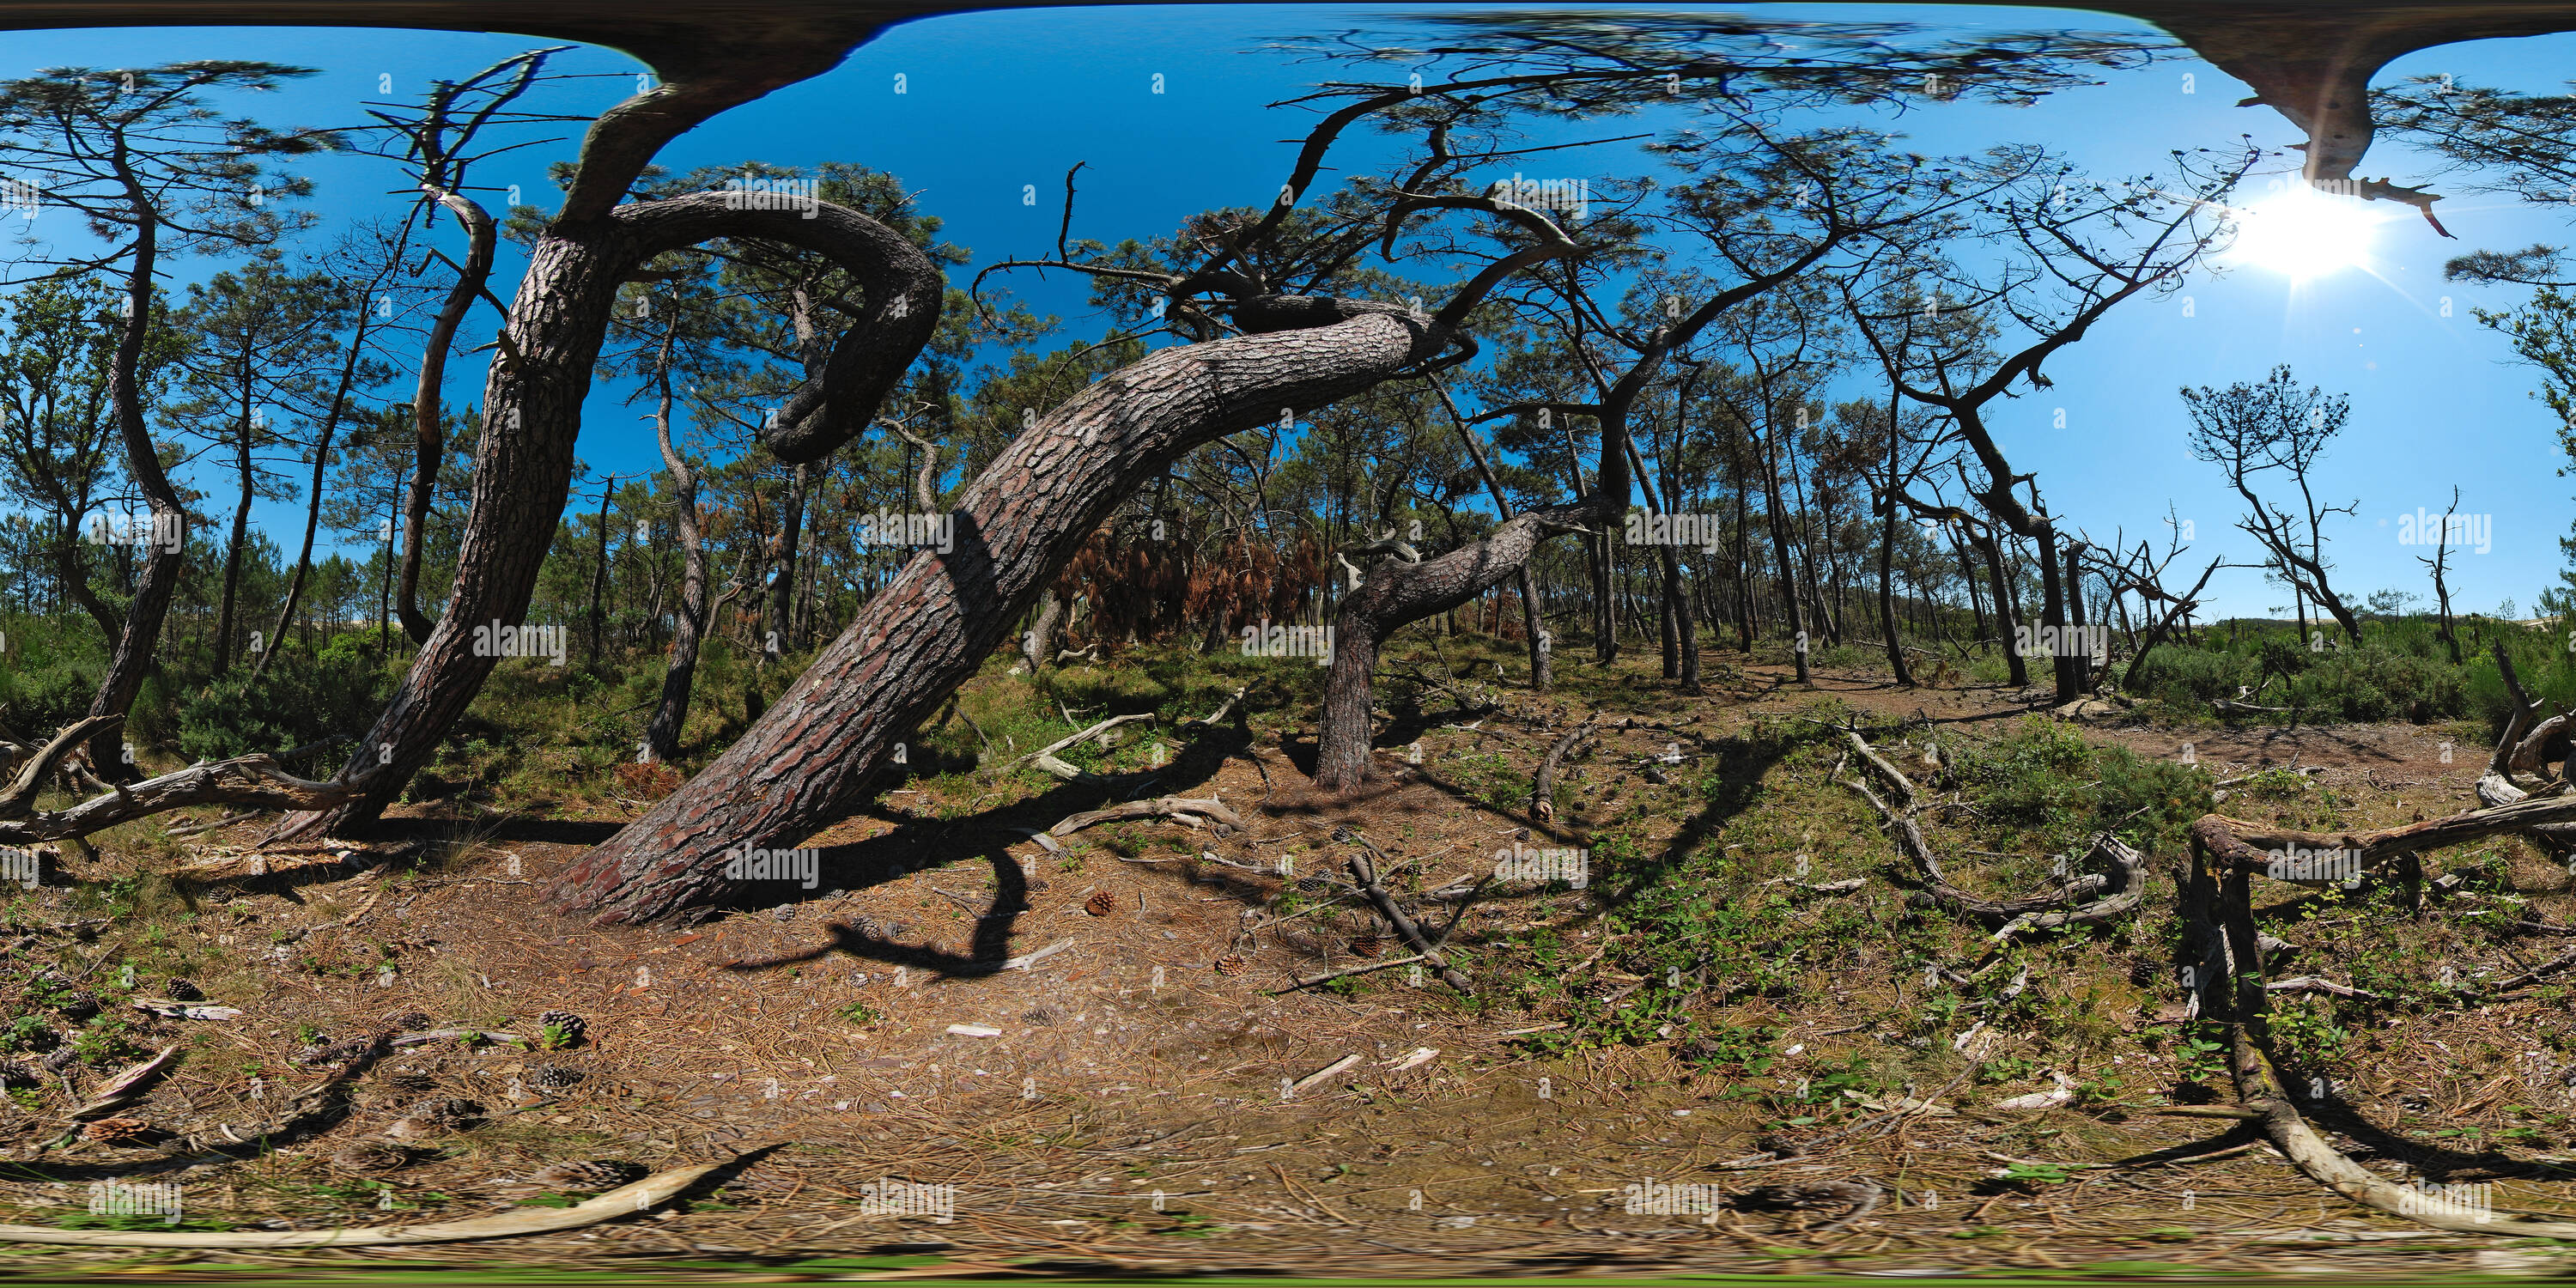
2304 233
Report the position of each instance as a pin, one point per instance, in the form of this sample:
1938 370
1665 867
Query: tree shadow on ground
916 845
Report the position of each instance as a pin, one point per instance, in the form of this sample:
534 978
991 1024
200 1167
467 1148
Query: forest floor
1142 1098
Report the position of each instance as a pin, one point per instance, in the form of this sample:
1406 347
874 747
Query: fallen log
1543 783
2222 914
1177 808
1045 758
254 780
2077 900
625 1200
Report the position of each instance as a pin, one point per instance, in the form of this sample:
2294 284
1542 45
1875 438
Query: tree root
2090 899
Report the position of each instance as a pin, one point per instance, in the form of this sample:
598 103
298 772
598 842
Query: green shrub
298 700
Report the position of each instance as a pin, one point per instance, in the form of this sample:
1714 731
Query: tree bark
2006 625
812 757
233 552
662 732
532 411
429 424
791 522
161 565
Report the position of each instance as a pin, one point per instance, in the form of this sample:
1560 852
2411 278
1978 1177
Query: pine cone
61 1058
1099 905
435 1115
1367 945
446 1110
571 1026
1232 964
181 990
368 1156
586 1177
553 1075
14 1074
408 1021
869 927
412 1082
78 1004
117 1131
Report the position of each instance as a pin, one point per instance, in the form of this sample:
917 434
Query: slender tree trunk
791 525
2007 627
1788 569
671 711
321 463
233 555
599 573
136 646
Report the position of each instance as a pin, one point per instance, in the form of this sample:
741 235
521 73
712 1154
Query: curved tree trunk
162 561
429 424
1396 593
532 410
662 732
812 758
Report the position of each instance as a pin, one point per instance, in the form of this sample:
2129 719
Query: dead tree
2441 591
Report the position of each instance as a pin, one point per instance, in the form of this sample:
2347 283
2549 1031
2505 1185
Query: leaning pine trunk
814 756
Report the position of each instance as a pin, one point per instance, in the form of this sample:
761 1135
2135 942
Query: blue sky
995 101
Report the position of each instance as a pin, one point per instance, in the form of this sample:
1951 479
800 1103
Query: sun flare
2304 234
